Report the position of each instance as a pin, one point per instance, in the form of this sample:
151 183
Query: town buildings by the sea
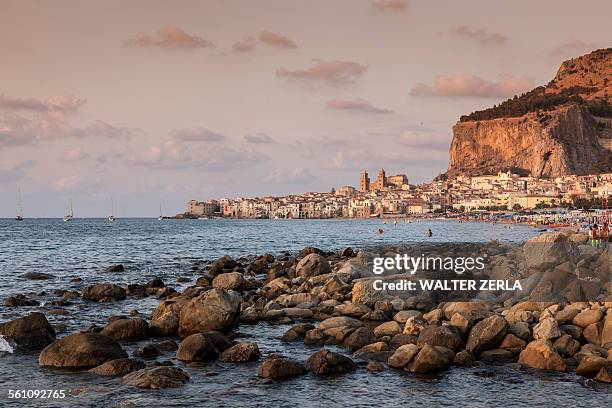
388 196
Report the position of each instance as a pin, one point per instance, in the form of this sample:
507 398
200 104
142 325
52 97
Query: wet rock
202 347
216 309
375 366
277 368
401 339
591 365
241 353
166 345
202 281
378 351
136 290
547 329
347 252
104 292
127 329
229 281
445 336
604 375
403 355
431 359
390 328
37 276
486 334
310 250
315 337
223 264
80 350
297 332
325 362
463 359
312 265
118 367
566 345
542 355
512 342
19 301
115 268
31 332
147 351
360 337
587 317
496 355
157 378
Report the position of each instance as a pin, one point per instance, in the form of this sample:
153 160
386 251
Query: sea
77 253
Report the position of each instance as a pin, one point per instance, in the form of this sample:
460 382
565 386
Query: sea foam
5 347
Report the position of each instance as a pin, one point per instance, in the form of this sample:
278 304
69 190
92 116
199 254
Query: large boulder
216 309
225 263
542 355
31 332
202 347
80 350
547 329
241 353
229 281
312 265
325 362
587 317
445 336
118 367
104 292
126 329
431 359
549 250
277 368
403 355
486 334
165 317
156 378
590 365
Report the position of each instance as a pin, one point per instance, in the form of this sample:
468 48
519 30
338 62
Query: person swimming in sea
429 233
380 231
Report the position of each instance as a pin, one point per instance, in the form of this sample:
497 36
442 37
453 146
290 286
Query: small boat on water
111 218
19 216
69 217
161 217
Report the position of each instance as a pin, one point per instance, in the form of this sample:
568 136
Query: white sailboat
161 217
19 216
111 217
69 217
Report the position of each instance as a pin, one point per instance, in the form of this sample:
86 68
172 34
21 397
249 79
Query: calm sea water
169 249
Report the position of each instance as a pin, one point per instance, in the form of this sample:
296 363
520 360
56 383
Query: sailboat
69 217
161 217
111 217
19 216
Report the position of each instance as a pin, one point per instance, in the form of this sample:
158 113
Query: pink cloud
357 104
66 103
481 36
169 37
276 40
325 71
247 44
390 5
473 86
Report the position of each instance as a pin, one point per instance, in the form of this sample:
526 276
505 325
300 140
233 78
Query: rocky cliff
559 129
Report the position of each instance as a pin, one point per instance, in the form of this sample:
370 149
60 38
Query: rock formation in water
562 128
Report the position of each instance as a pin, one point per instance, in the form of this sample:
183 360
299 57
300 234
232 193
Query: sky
149 102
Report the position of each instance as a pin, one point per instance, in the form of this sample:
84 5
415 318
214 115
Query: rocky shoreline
560 321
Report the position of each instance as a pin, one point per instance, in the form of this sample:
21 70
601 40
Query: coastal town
389 196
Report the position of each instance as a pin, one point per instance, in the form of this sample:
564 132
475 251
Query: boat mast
71 209
19 204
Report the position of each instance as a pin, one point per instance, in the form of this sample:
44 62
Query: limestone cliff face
563 137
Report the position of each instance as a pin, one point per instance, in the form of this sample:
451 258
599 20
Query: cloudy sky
149 101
